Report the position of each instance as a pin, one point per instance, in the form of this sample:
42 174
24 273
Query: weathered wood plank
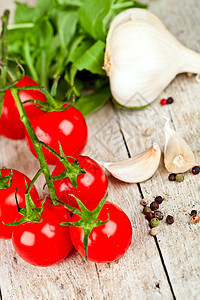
180 242
139 274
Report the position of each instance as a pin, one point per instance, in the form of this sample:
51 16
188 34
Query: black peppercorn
172 177
149 216
158 215
169 220
195 170
170 100
193 212
159 199
154 205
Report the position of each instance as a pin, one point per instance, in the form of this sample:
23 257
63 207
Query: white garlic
142 57
138 168
178 157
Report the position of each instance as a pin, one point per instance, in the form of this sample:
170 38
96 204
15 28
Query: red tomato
8 208
10 123
91 186
46 243
67 127
107 242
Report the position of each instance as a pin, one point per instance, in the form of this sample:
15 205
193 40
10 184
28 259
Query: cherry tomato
67 127
45 243
91 186
10 123
107 242
8 208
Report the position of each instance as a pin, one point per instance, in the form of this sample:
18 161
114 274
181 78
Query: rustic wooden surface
162 268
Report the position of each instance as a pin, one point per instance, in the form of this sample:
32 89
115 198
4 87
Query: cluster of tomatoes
47 242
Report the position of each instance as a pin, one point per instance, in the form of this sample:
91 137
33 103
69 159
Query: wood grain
140 273
180 242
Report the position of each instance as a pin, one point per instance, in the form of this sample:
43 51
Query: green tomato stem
50 99
4 32
37 145
34 180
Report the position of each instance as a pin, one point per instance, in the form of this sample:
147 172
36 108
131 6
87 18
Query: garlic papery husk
178 157
138 168
142 57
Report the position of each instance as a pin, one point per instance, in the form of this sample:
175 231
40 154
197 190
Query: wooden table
164 267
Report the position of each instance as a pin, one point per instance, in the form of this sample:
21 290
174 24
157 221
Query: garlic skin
178 157
142 57
138 168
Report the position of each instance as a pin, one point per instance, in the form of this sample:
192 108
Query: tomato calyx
72 170
6 181
88 219
31 213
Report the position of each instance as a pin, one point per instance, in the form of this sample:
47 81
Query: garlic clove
178 157
139 50
138 168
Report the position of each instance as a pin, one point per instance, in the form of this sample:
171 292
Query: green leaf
75 45
92 15
25 13
66 26
70 2
122 5
89 103
79 49
92 59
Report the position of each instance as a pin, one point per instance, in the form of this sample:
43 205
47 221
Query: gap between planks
155 238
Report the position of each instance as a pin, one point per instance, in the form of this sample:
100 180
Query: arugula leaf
45 40
24 13
92 59
66 26
70 2
92 15
89 103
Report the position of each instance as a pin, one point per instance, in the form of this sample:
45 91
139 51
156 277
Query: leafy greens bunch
66 38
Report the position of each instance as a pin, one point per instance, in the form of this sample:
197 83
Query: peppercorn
193 212
146 210
170 100
169 220
153 231
163 101
149 216
158 214
147 132
154 222
154 205
159 199
194 219
195 170
179 177
172 177
144 201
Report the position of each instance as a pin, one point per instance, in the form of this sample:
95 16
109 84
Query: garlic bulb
178 157
138 168
142 57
